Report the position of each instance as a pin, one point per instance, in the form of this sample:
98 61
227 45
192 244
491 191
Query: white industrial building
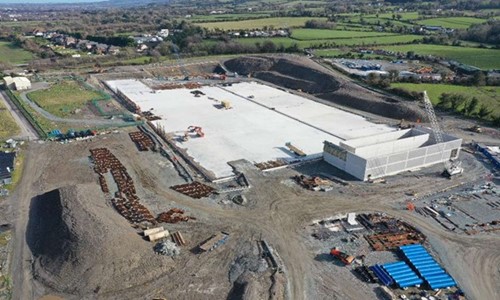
390 153
17 83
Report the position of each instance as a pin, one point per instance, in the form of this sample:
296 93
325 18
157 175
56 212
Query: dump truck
343 257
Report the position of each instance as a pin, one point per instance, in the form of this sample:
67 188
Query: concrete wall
389 147
354 165
411 159
406 151
374 139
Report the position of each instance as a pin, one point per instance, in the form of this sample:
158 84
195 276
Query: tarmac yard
261 120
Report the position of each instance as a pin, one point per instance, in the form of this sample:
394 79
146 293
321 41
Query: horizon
49 1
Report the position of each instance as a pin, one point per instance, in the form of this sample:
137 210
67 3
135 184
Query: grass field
226 17
489 95
8 126
14 55
481 58
404 16
453 22
320 34
63 98
383 40
284 22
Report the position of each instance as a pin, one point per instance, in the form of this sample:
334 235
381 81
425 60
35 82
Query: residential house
163 33
100 49
142 48
38 33
69 42
113 50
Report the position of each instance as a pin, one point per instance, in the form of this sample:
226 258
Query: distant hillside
93 3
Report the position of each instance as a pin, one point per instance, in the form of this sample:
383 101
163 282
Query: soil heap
309 77
83 247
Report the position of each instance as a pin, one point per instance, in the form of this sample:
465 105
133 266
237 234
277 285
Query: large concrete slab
254 129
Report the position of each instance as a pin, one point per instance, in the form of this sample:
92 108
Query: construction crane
451 167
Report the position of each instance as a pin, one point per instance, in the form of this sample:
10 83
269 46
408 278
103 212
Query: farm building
390 153
17 83
6 167
8 82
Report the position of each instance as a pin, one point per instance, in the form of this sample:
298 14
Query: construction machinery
314 183
405 125
451 168
226 104
190 130
476 129
196 129
343 257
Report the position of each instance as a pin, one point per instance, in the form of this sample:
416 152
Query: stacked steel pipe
125 201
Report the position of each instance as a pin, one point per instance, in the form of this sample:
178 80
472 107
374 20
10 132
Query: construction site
263 185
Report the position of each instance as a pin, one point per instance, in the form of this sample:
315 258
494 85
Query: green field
489 95
452 22
284 22
404 16
14 55
64 97
481 58
320 34
8 126
226 17
368 41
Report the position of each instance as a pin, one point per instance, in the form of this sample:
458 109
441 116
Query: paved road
27 131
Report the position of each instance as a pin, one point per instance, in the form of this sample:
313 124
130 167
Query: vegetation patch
487 96
320 34
452 22
63 98
8 126
478 57
284 22
367 41
9 53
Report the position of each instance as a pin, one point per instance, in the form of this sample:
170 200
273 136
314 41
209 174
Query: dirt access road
278 212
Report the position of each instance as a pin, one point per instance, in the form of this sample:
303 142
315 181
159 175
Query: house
431 77
6 167
113 50
163 33
38 33
408 74
22 83
69 42
58 39
100 49
142 47
8 82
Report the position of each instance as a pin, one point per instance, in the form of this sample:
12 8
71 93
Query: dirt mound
303 74
83 247
247 65
285 73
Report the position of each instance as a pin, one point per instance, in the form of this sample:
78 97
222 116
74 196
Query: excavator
197 129
343 257
192 129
